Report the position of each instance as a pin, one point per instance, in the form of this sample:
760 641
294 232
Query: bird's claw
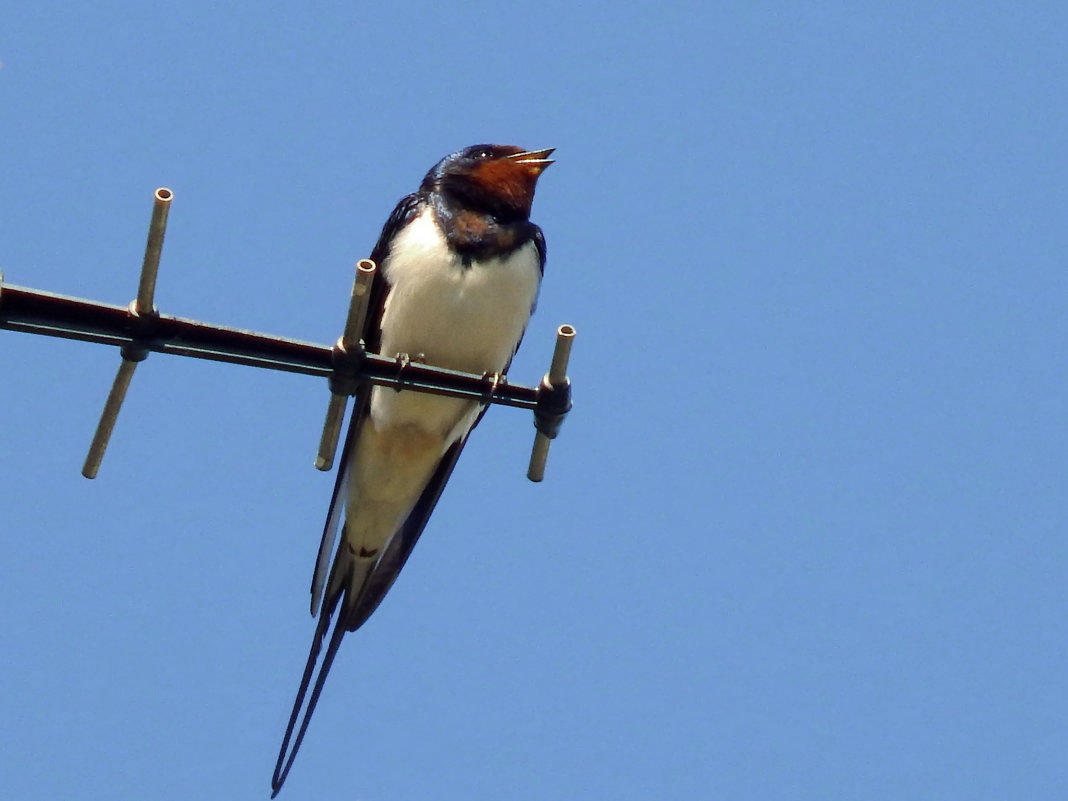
403 360
493 382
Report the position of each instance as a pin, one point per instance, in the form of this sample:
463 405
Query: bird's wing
404 213
539 243
337 507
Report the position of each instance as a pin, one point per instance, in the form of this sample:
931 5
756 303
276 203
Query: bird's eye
483 154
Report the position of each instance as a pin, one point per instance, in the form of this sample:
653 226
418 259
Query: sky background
803 535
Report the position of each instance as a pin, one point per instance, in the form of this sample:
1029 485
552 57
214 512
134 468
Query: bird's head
496 179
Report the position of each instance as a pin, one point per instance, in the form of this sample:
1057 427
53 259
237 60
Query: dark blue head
494 179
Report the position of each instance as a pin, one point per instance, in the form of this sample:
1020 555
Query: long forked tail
287 753
350 595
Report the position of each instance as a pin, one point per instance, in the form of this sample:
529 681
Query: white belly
463 318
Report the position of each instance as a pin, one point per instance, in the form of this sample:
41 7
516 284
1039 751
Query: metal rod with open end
350 347
554 402
143 306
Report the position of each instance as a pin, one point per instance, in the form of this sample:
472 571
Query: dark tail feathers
342 596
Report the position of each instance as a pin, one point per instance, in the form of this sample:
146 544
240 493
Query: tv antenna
139 329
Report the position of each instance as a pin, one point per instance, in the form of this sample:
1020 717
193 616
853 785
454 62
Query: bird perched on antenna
460 263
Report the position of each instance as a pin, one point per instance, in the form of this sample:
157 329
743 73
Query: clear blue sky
804 536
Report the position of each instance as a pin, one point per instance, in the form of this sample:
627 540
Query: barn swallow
460 264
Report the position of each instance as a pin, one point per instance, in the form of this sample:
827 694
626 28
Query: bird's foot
493 382
403 360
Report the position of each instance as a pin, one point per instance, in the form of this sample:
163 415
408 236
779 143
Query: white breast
463 318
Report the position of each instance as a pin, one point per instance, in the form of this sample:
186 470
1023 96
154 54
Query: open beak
536 160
